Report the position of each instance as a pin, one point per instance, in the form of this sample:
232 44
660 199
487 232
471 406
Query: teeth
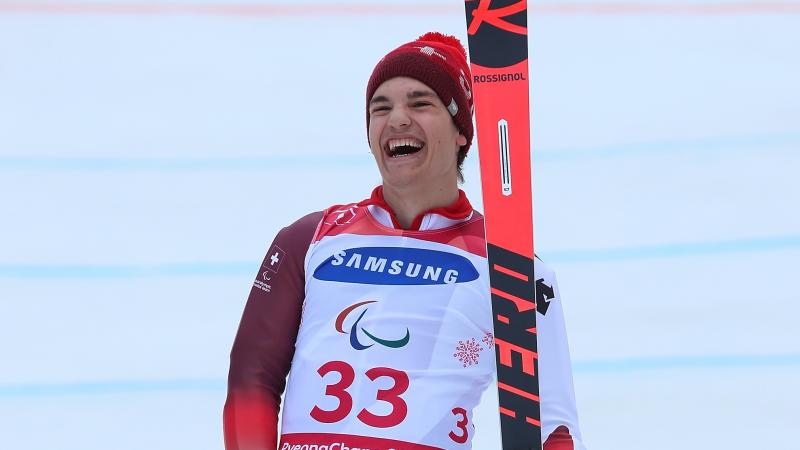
404 142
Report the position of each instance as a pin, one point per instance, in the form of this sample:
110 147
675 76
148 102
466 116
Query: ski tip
452 41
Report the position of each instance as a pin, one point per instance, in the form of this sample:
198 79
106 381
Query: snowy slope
149 154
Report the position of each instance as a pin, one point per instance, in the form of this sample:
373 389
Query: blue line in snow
126 271
661 251
685 362
109 387
725 144
223 269
788 141
628 365
179 164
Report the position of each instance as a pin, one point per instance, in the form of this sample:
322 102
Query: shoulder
543 273
310 220
338 219
546 288
301 231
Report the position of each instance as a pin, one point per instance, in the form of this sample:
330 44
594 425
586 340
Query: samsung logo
396 266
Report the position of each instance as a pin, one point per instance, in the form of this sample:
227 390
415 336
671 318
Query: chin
401 180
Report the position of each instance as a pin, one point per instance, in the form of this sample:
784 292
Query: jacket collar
432 219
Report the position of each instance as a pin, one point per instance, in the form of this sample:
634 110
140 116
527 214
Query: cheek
374 132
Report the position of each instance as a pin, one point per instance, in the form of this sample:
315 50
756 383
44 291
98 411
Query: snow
146 161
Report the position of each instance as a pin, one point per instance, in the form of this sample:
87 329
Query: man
381 307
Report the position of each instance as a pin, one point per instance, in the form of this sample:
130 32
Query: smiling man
381 308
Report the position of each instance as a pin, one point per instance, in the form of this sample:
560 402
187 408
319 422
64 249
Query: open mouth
401 147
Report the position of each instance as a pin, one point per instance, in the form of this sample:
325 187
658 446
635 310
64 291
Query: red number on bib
337 390
461 425
391 395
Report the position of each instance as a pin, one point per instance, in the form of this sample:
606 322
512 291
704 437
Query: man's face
412 135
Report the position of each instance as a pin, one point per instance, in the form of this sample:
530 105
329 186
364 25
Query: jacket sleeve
264 345
558 409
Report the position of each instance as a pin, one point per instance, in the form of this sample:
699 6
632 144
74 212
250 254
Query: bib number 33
338 390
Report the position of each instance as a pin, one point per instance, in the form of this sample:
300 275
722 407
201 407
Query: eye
379 109
421 104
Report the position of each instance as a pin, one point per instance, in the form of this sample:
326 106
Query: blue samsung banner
396 266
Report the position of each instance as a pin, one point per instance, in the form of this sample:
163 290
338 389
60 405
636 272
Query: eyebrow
419 94
379 99
410 95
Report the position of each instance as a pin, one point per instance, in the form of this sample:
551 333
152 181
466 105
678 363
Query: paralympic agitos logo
396 266
354 341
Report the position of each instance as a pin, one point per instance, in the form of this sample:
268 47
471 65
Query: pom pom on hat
440 62
452 41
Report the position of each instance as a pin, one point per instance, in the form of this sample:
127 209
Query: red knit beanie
438 61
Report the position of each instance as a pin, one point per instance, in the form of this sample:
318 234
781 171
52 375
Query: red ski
498 48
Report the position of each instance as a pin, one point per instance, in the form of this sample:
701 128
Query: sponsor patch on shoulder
341 216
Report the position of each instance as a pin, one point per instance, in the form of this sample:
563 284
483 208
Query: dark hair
462 155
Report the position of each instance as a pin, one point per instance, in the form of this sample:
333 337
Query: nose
399 117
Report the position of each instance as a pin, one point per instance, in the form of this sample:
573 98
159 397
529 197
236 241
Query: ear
461 140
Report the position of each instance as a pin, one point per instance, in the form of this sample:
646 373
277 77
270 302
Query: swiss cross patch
274 258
